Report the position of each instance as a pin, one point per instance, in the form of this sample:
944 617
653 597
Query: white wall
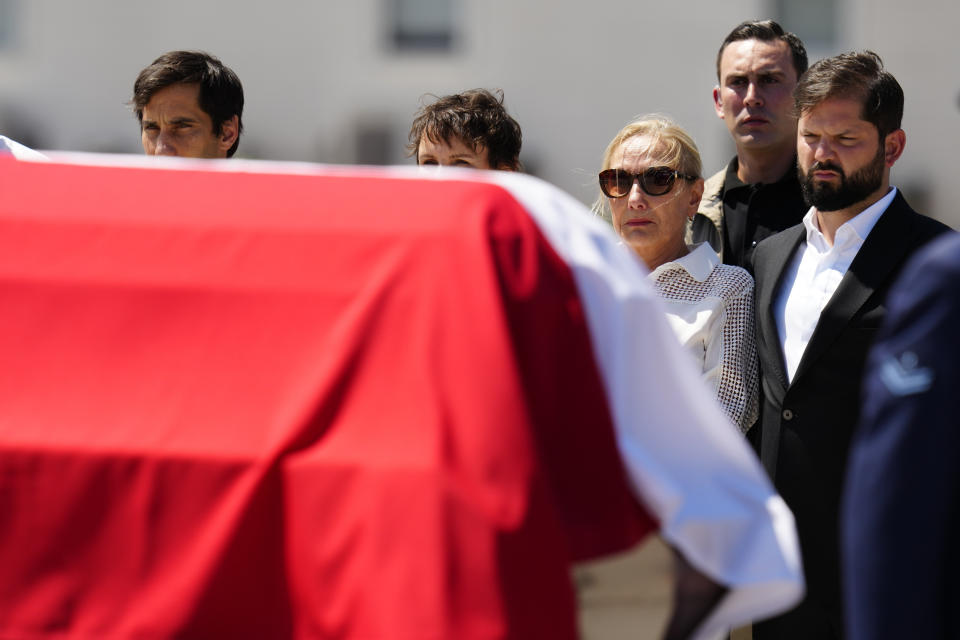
919 45
573 74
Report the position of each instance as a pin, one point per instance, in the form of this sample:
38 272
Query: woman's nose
637 198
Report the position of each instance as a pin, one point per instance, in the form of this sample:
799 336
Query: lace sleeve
738 387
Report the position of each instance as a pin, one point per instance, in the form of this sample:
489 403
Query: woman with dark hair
469 129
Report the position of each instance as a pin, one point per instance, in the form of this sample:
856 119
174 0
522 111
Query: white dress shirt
814 275
710 309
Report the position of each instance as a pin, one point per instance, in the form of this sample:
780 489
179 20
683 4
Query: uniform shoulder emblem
902 376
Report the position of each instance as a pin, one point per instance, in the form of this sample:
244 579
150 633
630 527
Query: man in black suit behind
821 287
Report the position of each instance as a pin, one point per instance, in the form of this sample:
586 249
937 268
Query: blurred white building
339 81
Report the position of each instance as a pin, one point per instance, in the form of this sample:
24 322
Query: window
373 142
9 21
422 25
816 22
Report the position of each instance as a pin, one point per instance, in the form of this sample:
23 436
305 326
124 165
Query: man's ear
893 146
717 102
229 131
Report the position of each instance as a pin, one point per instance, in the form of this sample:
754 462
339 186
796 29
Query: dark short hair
221 94
478 118
859 76
766 31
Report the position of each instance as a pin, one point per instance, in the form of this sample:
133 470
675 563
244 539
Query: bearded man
821 290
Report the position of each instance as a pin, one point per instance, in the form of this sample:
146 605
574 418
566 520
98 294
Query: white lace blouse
710 307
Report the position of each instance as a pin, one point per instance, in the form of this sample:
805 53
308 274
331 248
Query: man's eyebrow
852 130
179 120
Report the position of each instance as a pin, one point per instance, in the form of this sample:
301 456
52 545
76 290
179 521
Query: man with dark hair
469 129
821 295
189 104
756 194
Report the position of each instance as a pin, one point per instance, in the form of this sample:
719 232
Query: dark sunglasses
655 181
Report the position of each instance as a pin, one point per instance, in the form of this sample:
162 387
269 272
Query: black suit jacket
806 425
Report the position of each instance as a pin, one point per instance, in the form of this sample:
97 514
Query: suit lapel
783 246
881 252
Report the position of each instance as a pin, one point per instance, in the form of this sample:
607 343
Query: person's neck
655 260
830 221
766 166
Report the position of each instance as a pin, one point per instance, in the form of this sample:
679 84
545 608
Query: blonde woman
651 187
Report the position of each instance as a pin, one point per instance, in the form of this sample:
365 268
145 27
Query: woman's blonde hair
676 149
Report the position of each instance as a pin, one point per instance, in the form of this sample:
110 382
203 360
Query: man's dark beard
826 196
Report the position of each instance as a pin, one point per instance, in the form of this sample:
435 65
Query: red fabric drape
271 405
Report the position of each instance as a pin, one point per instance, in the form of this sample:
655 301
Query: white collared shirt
710 309
814 274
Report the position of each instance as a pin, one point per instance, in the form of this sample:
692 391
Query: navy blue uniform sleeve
902 498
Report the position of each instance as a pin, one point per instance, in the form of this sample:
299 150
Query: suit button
787 414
